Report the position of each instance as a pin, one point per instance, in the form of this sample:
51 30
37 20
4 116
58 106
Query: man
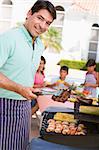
19 61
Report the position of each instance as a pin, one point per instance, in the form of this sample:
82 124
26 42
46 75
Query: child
38 82
60 82
39 76
91 79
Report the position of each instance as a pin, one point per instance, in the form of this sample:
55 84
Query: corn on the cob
64 117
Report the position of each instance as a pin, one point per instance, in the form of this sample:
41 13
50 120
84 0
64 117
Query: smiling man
19 61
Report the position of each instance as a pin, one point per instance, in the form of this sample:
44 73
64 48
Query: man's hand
6 83
27 92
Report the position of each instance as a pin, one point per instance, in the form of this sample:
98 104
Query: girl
39 76
91 79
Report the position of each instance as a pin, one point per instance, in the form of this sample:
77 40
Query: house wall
76 26
77 33
5 17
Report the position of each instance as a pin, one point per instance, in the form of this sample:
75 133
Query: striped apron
15 118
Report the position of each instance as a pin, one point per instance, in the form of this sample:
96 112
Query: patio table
45 101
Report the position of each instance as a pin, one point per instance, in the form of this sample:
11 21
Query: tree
52 39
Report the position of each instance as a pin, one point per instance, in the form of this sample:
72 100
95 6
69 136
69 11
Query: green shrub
76 64
97 67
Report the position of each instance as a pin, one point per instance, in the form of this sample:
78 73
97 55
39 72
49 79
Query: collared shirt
18 61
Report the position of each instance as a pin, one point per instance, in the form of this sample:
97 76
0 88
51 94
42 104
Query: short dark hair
44 4
90 62
64 68
43 59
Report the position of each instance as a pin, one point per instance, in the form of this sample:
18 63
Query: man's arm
10 85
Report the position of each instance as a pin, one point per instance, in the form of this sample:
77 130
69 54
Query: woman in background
39 76
38 82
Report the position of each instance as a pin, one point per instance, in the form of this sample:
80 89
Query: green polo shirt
18 61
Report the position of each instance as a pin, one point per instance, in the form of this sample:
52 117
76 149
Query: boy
60 82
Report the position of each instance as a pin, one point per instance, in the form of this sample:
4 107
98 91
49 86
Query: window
94 42
7 2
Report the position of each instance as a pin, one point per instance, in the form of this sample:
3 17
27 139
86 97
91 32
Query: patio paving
35 125
34 128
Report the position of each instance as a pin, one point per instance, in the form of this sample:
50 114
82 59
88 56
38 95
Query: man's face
38 22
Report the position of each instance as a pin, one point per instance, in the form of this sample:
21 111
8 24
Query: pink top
39 78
